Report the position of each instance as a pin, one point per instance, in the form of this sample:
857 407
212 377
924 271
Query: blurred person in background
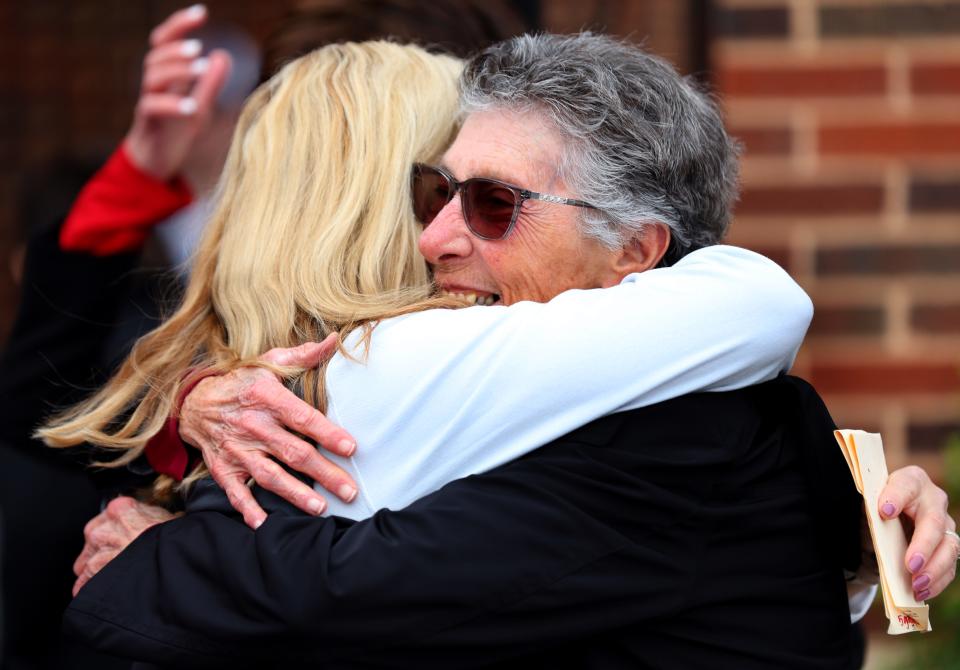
45 499
195 79
84 300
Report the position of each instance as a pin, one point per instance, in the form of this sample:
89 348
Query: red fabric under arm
165 451
117 208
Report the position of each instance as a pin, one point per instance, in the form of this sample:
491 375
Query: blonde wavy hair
312 233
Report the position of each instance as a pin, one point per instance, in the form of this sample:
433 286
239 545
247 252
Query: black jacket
75 321
707 531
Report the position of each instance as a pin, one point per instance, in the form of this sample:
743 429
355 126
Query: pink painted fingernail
347 493
916 562
923 595
888 509
921 582
316 506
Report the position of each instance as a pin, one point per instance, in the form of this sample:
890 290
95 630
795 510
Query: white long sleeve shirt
444 394
448 393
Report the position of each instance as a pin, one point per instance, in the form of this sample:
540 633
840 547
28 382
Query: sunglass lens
488 208
431 191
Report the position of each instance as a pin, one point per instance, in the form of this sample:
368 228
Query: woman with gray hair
640 143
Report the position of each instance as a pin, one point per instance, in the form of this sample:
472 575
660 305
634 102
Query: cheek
576 266
498 266
509 271
539 260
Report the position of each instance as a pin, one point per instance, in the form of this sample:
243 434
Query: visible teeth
471 298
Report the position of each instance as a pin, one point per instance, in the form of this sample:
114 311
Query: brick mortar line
782 171
804 26
802 250
830 57
938 410
849 110
751 4
898 80
869 349
803 125
894 431
937 46
856 285
856 170
897 337
849 169
835 294
896 198
857 231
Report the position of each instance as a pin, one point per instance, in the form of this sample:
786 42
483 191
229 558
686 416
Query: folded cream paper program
864 454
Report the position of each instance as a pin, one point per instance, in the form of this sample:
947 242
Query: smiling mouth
473 298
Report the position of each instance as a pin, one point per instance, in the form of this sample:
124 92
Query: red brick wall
666 27
850 113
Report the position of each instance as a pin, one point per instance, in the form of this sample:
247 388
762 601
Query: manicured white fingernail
347 447
191 48
316 506
187 106
347 493
199 66
258 523
196 11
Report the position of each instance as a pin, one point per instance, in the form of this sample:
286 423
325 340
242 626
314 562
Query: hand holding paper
864 455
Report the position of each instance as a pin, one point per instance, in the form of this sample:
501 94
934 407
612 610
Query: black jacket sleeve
435 581
639 522
68 308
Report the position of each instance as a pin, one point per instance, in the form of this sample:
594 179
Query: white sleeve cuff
860 597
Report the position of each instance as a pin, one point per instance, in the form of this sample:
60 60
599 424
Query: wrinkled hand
177 95
108 533
932 554
238 421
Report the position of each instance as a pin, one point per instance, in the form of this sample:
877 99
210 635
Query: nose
446 239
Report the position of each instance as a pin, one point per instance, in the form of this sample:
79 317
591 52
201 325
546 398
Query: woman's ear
643 251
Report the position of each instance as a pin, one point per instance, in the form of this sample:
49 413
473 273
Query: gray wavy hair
642 143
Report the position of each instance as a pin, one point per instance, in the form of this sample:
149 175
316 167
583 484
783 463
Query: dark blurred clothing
78 317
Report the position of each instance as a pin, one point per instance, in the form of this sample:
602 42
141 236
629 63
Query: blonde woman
312 232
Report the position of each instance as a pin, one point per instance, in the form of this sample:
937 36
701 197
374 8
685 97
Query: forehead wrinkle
547 169
473 166
524 145
543 133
